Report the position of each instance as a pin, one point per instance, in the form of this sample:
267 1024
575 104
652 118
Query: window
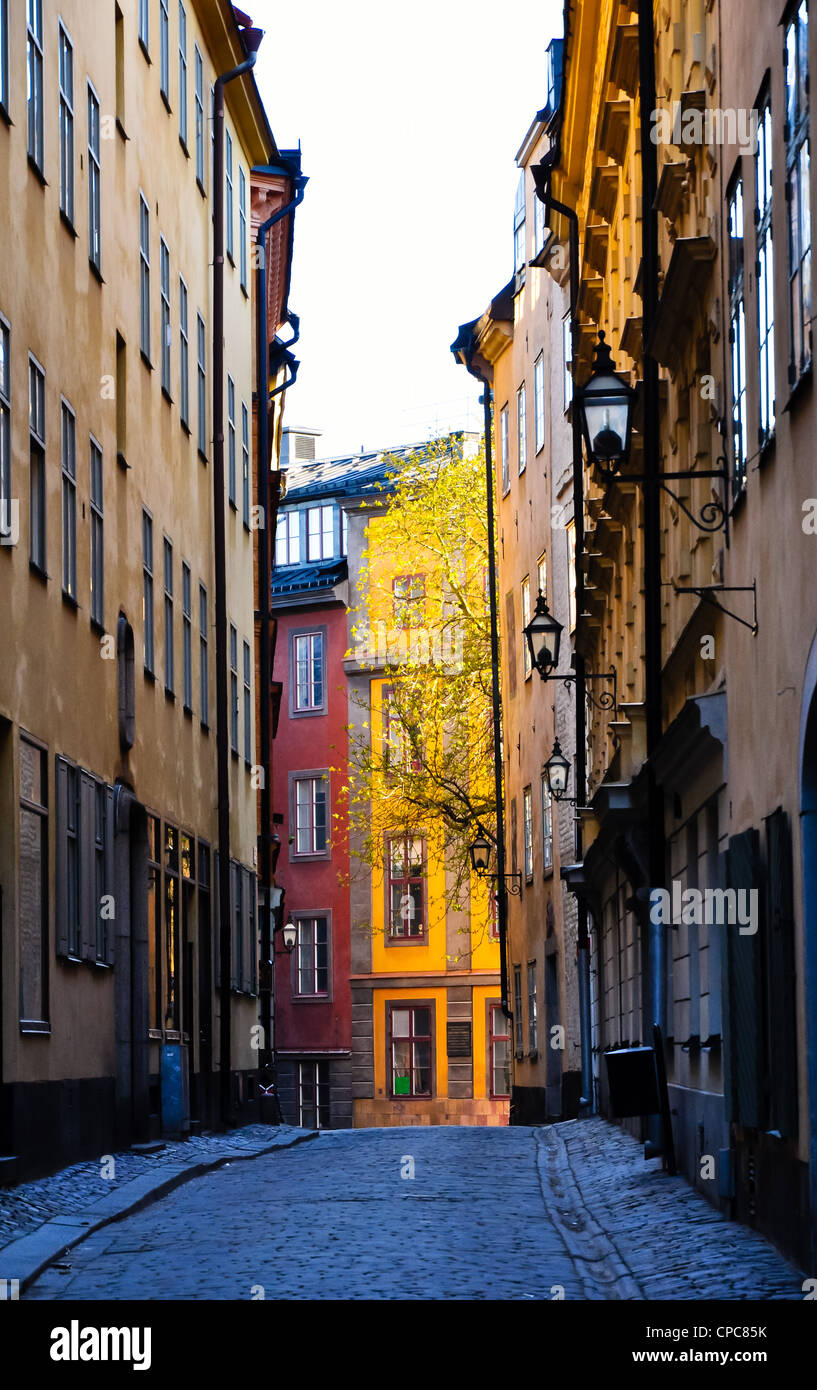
187 640
313 1095
233 690
121 400
312 968
400 743
144 24
514 827
184 357
532 1032
538 225
310 796
94 182
4 54
231 441
288 539
164 277
73 859
797 190
97 538
36 428
527 827
499 1045
103 831
119 63
519 226
570 532
84 865
542 575
409 600
765 270
228 176
737 337
66 70
539 401
567 357
308 652
526 661
69 502
164 51
344 532
247 705
547 826
242 226
504 454
204 702
154 925
405 888
517 1008
182 74
6 528
32 913
410 1050
320 531
144 278
172 933
522 427
201 372
34 57
245 465
198 71
147 589
170 675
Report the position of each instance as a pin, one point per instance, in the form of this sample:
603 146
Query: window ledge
738 500
145 51
185 426
146 359
187 710
37 171
407 940
97 626
38 570
95 271
233 506
230 259
166 100
200 186
167 395
170 694
30 1029
533 1055
121 128
767 449
183 144
205 728
202 455
798 389
68 224
70 601
122 461
244 290
150 675
4 115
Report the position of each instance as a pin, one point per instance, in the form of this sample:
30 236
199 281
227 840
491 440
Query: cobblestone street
490 1213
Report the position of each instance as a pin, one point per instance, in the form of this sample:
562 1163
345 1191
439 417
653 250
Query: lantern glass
557 771
480 851
290 935
606 403
543 634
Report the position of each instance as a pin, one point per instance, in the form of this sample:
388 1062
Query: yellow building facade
110 999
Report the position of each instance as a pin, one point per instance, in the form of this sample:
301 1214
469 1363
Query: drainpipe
586 1100
266 983
252 39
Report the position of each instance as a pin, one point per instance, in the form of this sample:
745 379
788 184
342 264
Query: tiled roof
296 579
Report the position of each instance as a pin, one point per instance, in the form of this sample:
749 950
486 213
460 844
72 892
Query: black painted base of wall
340 1091
772 1193
529 1103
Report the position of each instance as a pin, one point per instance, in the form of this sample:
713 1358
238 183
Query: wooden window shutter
89 907
110 832
235 943
216 919
780 974
745 991
254 942
61 904
246 941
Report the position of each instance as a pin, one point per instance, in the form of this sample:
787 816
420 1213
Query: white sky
409 117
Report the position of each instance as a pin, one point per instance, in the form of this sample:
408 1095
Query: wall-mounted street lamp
557 774
543 635
289 934
480 852
606 403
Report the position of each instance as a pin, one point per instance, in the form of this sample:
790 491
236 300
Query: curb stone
599 1265
25 1259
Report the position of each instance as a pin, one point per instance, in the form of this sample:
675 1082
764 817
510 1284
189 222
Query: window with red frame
410 1050
406 863
500 1052
410 600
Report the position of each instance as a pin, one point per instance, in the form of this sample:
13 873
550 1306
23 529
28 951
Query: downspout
587 1098
266 983
222 736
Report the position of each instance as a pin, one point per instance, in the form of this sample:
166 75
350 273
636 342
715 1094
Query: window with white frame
517 1008
187 638
504 449
36 417
519 226
242 227
228 179
570 533
97 537
527 826
144 23
34 60
538 225
182 74
69 502
309 686
33 887
247 705
533 1041
231 441
547 826
310 795
798 165
539 402
765 269
198 82
313 1094
245 465
312 968
233 690
542 575
184 357
170 671
567 358
288 538
4 54
144 277
500 1052
204 675
147 590
737 335
320 530
5 431
164 50
201 378
526 661
522 428
94 182
164 290
66 118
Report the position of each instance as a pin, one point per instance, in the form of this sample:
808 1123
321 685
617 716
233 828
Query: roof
348 476
295 579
